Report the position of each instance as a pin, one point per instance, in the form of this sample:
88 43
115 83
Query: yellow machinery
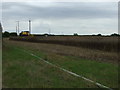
24 33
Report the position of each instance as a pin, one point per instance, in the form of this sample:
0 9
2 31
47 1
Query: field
22 70
105 43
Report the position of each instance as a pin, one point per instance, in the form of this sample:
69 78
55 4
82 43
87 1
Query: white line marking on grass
72 73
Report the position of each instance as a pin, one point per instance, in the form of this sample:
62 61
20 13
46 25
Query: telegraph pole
30 26
17 27
49 31
1 30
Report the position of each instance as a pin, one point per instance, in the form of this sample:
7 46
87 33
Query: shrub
75 34
6 34
13 34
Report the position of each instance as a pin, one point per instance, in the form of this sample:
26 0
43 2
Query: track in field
72 73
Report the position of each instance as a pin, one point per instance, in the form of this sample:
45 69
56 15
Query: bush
99 35
6 34
13 34
115 34
75 34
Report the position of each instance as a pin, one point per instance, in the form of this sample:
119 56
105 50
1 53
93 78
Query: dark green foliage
99 35
6 34
115 34
13 34
75 34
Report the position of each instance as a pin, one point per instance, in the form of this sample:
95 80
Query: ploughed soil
86 53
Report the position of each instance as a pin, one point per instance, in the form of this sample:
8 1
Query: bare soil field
81 52
103 43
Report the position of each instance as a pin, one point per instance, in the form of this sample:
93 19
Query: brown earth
104 43
80 52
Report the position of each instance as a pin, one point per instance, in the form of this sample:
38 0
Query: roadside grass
70 51
21 70
102 72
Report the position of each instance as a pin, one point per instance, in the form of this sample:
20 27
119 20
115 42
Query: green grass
102 72
21 70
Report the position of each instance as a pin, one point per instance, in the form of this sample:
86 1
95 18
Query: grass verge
102 72
20 70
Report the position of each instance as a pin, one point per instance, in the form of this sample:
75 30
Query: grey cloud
61 10
74 17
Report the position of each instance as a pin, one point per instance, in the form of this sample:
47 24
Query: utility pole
49 31
18 27
1 30
1 27
30 26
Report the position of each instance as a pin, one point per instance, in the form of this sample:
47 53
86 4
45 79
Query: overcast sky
62 17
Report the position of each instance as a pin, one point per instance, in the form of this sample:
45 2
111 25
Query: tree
6 34
75 34
115 34
99 35
13 34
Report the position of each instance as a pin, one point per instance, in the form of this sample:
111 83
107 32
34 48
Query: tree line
8 34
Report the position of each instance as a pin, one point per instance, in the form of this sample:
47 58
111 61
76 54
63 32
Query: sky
84 18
